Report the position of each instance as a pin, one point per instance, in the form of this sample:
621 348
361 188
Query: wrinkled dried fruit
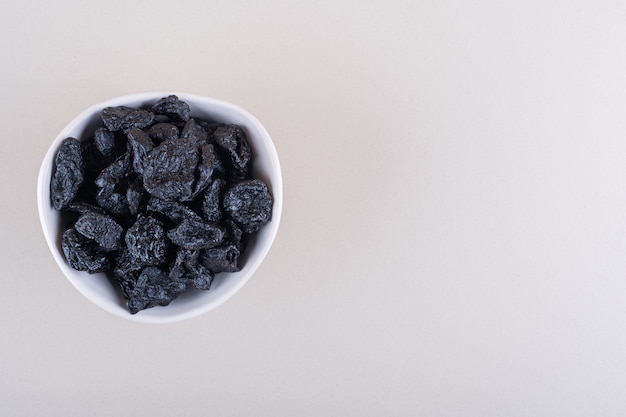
232 139
124 118
196 234
145 241
163 131
171 106
221 258
170 170
176 212
249 203
69 173
141 145
104 140
211 205
100 228
152 288
83 254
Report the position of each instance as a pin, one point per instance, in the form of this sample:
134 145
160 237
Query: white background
453 240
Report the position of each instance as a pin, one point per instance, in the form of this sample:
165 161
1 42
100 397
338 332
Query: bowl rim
273 225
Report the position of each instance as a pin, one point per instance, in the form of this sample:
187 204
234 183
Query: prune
195 133
83 254
145 241
82 207
104 140
233 234
195 234
134 195
232 139
185 258
141 145
163 131
115 172
200 277
101 228
153 287
124 118
112 201
171 106
170 169
211 204
221 258
249 203
175 211
163 201
205 169
69 173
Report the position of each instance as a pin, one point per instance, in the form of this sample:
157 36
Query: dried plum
205 169
211 204
145 241
83 254
153 287
112 201
134 195
170 170
104 140
196 234
232 139
200 277
175 211
115 172
249 203
159 200
195 133
69 173
163 131
124 118
141 145
101 228
171 106
221 258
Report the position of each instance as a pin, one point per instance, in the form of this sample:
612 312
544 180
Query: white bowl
97 287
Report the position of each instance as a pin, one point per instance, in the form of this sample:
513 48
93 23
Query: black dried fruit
115 172
221 258
163 131
232 139
153 287
123 118
83 254
249 203
158 200
200 277
211 204
104 140
145 241
100 228
195 133
134 195
176 212
171 106
205 169
140 145
68 175
196 234
112 201
170 170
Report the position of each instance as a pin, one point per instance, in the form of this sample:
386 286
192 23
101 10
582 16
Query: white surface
97 287
453 237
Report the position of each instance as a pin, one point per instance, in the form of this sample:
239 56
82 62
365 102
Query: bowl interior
97 287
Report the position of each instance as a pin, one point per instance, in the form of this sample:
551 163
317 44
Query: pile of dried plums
159 200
